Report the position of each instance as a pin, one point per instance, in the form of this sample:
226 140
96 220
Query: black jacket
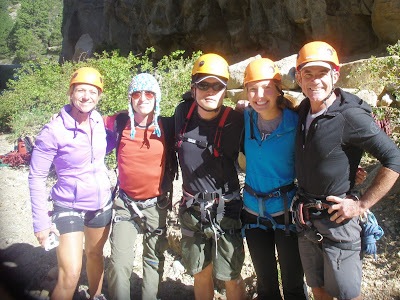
201 170
326 159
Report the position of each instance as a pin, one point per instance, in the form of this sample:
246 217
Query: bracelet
354 197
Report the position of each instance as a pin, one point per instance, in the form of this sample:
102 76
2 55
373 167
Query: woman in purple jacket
75 142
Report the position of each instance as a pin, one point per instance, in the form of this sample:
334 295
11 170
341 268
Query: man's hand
346 208
241 105
53 117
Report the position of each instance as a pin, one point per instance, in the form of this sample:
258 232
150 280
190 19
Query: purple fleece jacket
83 181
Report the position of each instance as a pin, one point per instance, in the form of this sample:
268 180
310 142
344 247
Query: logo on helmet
269 69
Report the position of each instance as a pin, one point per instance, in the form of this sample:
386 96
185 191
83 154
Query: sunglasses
137 94
216 86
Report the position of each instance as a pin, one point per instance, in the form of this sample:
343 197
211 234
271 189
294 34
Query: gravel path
27 271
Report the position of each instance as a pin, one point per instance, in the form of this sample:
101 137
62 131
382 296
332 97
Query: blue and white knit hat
145 82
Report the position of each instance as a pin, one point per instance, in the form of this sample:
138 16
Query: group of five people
320 143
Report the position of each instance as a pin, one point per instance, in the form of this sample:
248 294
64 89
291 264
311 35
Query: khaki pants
122 242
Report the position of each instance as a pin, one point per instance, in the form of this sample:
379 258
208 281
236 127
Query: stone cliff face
236 29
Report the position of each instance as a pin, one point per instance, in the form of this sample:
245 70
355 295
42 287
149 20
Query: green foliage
41 90
37 27
6 25
384 71
173 72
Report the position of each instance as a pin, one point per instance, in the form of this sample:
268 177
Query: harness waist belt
274 193
141 204
83 212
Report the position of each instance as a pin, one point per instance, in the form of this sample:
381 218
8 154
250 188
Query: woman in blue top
270 129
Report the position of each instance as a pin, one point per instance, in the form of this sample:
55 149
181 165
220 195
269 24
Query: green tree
6 25
37 27
37 92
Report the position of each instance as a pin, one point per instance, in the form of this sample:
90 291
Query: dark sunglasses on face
216 86
137 94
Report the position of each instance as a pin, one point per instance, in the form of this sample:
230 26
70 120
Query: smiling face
263 95
143 102
84 97
317 83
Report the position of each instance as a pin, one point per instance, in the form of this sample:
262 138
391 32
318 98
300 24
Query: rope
371 233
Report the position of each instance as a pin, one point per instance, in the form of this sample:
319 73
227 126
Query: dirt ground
27 271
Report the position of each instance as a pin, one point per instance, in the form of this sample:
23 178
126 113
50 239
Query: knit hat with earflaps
145 82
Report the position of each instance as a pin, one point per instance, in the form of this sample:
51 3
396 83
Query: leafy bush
384 71
38 91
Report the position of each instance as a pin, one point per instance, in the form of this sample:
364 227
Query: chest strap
204 144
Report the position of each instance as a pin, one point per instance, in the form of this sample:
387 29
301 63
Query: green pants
122 242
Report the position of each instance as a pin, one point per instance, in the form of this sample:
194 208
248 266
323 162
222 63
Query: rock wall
236 29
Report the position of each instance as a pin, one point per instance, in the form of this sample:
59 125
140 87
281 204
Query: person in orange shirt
146 165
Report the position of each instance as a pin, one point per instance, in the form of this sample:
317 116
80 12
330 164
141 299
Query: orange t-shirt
141 161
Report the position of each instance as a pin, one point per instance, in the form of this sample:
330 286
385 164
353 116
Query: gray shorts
330 265
199 248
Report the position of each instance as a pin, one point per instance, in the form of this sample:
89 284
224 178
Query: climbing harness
263 215
217 138
205 202
137 206
80 214
307 207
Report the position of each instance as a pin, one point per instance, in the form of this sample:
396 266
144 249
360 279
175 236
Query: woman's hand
43 235
361 175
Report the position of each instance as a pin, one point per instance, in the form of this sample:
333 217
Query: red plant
383 122
15 159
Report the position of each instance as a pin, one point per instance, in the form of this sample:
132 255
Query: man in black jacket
334 129
208 135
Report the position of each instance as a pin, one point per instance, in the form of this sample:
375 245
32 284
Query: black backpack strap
171 162
241 142
119 125
251 112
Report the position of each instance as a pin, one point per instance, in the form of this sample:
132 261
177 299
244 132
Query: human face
143 102
84 97
316 83
209 99
263 95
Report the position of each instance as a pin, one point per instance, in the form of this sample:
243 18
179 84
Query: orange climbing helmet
261 69
87 75
317 53
211 64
